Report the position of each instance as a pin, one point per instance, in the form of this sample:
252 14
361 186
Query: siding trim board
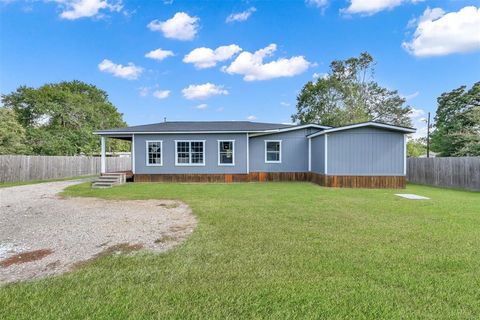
248 154
309 155
326 153
405 154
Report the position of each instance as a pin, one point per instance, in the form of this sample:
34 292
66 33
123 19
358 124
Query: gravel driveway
42 234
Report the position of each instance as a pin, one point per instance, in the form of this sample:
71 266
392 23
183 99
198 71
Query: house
369 154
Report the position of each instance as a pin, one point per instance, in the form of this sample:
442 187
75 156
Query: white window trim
190 151
233 153
146 154
279 153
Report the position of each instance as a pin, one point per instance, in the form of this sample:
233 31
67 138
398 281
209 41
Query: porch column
102 155
132 153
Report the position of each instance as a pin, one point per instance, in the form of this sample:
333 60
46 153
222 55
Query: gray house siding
365 151
211 154
294 152
318 154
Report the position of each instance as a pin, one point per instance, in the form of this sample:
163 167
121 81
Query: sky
236 60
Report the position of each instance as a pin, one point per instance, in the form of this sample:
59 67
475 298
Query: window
273 151
226 152
154 153
190 153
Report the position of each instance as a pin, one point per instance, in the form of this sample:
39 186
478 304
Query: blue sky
422 48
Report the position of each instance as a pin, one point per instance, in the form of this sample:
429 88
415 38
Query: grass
281 250
22 183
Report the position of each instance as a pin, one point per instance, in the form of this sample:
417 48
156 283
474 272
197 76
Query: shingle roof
199 126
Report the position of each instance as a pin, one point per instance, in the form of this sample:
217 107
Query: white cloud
285 104
220 109
76 9
181 26
159 54
411 96
418 119
251 65
439 33
241 16
317 3
143 91
416 113
251 118
203 91
206 58
161 94
130 71
369 7
317 75
202 106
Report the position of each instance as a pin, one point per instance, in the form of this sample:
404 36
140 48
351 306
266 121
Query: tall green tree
59 119
349 94
416 147
12 134
457 123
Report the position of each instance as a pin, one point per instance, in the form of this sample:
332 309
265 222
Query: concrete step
106 182
109 179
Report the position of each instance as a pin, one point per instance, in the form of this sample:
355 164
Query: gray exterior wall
211 154
365 151
318 154
294 152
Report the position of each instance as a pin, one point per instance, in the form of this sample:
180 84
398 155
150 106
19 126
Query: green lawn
281 250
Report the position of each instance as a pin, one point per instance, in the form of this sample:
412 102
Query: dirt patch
78 230
164 239
121 248
25 257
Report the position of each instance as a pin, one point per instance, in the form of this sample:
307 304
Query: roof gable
372 124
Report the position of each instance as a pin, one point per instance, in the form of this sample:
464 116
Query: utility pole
428 136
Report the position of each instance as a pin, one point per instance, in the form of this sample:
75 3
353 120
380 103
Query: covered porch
107 167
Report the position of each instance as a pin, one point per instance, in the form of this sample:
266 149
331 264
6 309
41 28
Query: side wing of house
363 156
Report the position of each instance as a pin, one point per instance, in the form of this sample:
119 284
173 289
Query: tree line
348 93
57 119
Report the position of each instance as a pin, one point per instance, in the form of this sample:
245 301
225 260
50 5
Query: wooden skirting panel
323 180
226 178
380 182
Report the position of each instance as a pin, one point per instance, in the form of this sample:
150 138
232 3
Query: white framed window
226 152
273 151
154 153
189 152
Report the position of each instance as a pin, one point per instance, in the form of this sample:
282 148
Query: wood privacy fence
26 168
461 172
